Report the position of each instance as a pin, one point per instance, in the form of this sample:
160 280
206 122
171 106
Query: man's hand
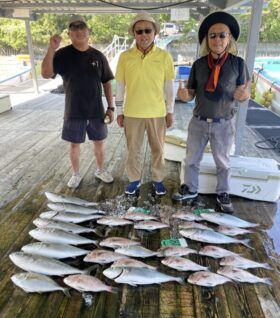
55 41
241 93
120 119
169 120
110 114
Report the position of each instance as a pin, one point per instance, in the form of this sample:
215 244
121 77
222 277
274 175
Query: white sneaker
104 175
74 181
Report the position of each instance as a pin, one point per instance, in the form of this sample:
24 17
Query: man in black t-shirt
217 80
84 71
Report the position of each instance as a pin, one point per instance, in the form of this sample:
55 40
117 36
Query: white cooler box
175 145
252 178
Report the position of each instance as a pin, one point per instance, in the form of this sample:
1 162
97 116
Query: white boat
267 76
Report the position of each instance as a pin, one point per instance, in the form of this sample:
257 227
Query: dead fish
116 242
240 275
103 257
59 236
139 276
183 264
69 217
209 236
150 225
53 250
113 221
242 262
215 251
207 279
187 216
193 225
130 262
88 283
138 216
62 198
136 251
68 207
232 230
167 251
65 226
44 265
226 219
37 283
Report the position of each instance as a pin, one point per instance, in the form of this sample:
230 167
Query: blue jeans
221 137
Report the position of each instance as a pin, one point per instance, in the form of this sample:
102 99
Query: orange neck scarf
215 67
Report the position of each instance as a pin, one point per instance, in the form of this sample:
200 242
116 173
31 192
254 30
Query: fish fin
267 280
66 292
267 266
246 243
98 232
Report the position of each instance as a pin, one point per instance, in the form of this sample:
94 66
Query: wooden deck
34 159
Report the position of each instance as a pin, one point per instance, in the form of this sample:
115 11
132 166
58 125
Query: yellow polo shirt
144 81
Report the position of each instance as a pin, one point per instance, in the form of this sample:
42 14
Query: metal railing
117 45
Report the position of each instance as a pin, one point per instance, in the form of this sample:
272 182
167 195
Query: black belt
209 120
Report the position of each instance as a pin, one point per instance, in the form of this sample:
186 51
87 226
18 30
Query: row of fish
58 229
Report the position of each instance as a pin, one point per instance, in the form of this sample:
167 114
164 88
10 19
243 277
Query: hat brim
131 27
219 17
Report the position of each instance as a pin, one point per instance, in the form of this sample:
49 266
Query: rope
274 141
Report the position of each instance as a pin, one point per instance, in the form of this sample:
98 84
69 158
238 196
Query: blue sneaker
184 194
159 188
133 187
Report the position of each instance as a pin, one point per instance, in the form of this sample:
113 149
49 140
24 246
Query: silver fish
103 257
226 219
150 225
232 230
215 251
62 198
116 242
68 207
65 226
113 221
240 275
130 262
44 265
193 225
139 276
209 236
87 283
167 251
53 250
183 264
136 251
59 236
187 216
138 216
242 262
37 283
207 279
69 217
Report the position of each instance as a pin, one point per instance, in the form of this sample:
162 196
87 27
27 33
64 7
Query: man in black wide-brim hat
217 80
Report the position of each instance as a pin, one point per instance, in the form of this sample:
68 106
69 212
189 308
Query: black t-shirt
83 73
219 104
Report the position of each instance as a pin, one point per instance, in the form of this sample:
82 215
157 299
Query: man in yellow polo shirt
145 100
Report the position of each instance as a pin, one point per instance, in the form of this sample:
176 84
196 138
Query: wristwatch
111 108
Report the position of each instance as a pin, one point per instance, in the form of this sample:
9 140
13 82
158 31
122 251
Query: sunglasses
146 31
76 27
221 35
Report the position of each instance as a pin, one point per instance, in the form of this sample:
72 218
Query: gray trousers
221 137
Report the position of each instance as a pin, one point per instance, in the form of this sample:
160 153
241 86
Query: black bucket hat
219 17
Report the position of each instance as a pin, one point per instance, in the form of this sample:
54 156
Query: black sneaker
159 188
224 202
184 194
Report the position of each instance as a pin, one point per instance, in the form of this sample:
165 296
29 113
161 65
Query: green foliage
12 35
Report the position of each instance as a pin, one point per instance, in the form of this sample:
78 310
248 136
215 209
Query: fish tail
246 243
114 290
267 266
66 292
98 232
180 280
267 280
90 269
